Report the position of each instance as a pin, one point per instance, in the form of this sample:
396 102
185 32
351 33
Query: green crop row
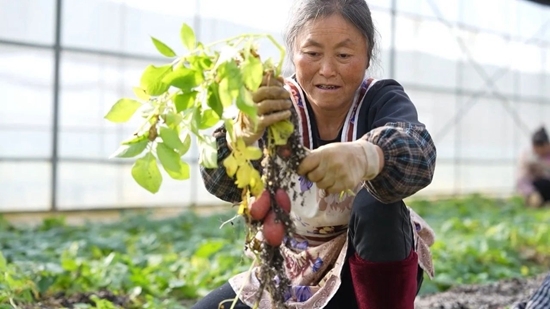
143 263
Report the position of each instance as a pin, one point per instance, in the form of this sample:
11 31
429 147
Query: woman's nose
327 68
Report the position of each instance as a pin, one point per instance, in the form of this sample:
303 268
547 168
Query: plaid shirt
409 160
391 122
540 299
409 154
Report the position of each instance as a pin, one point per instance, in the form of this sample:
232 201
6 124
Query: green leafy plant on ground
144 263
480 240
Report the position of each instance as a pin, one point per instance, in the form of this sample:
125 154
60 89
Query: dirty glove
273 105
337 167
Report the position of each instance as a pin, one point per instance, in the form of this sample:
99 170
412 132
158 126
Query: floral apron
316 255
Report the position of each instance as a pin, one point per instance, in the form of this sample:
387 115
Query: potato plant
190 95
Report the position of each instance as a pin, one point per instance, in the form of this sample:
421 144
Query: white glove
337 167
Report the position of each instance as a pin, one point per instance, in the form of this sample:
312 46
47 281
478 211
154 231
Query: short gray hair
357 12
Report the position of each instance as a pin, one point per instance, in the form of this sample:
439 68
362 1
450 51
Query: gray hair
357 12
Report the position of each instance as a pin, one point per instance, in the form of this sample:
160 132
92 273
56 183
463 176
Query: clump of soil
498 295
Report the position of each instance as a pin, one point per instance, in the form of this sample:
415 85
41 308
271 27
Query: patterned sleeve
540 298
216 181
409 151
409 156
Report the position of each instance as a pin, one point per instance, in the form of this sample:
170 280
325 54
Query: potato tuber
283 200
273 230
259 208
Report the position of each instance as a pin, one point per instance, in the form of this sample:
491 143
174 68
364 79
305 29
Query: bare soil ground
498 295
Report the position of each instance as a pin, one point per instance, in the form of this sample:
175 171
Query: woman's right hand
273 105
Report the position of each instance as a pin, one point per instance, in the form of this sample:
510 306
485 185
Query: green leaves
230 84
171 138
172 163
214 101
200 62
173 119
131 150
202 120
209 118
187 36
15 286
252 71
208 248
246 105
136 262
160 263
122 110
189 94
152 79
208 152
185 101
140 94
135 139
145 170
281 131
146 173
163 48
183 78
102 303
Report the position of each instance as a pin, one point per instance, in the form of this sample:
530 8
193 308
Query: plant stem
234 38
242 286
13 303
282 52
262 35
151 115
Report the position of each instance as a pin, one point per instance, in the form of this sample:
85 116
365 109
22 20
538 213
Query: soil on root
499 295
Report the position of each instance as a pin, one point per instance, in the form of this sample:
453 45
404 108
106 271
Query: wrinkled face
542 150
330 57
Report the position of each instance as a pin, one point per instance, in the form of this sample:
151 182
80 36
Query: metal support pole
392 38
195 168
518 104
55 124
459 101
197 21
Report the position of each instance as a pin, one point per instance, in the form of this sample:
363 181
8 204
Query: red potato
260 207
274 232
284 151
283 200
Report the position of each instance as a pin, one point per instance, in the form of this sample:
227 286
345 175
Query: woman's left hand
337 167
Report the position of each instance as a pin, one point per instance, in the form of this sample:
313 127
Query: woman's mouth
327 87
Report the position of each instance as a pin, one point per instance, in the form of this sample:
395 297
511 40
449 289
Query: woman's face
330 58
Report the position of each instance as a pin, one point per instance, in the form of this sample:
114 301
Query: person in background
534 171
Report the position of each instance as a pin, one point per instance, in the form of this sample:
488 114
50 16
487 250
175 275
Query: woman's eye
312 54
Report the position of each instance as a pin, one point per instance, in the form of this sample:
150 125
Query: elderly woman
367 250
